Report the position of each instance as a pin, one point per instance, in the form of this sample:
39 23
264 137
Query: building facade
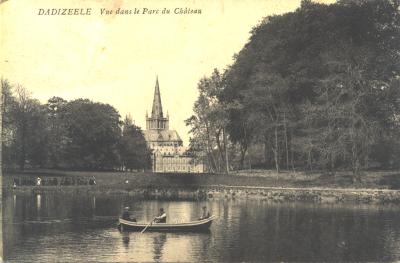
168 150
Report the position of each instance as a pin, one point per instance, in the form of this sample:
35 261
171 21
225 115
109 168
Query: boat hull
195 226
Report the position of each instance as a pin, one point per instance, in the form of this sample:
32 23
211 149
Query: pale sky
115 58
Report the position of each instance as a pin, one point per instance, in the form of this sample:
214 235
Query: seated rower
206 214
162 217
126 215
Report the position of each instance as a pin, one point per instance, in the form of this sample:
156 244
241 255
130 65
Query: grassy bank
255 178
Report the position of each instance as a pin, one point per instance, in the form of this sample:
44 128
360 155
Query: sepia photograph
200 131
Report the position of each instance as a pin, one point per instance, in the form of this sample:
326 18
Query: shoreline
318 195
379 187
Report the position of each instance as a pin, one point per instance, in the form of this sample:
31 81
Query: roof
161 135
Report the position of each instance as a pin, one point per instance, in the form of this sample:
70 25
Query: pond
82 228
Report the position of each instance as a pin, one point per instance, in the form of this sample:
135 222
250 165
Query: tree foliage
318 88
208 124
133 148
77 134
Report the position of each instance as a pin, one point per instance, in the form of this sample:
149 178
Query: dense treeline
317 88
77 134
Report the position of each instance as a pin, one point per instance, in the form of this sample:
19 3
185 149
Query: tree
30 139
133 147
208 124
313 85
93 133
56 112
78 134
9 125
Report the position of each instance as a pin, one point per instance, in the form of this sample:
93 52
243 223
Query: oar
144 229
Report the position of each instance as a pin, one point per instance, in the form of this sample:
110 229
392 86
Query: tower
167 146
156 121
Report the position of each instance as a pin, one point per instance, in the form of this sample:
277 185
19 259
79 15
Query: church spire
157 120
157 112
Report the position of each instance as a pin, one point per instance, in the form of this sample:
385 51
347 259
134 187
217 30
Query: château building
168 151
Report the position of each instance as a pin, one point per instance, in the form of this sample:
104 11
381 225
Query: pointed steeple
156 121
157 112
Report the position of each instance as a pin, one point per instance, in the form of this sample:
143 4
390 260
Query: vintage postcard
200 131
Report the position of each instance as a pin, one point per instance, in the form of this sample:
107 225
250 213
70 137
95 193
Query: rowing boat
198 225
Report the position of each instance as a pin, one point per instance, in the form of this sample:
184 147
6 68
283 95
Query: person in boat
127 216
205 214
162 217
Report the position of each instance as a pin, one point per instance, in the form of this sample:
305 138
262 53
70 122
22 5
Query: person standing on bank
162 217
38 181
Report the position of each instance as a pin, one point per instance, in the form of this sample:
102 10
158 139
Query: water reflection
125 239
158 244
83 226
38 202
94 203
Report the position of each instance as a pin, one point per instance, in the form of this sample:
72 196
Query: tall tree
314 83
133 147
9 125
209 123
31 133
93 133
56 112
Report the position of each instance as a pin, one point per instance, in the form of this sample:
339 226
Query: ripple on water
244 230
